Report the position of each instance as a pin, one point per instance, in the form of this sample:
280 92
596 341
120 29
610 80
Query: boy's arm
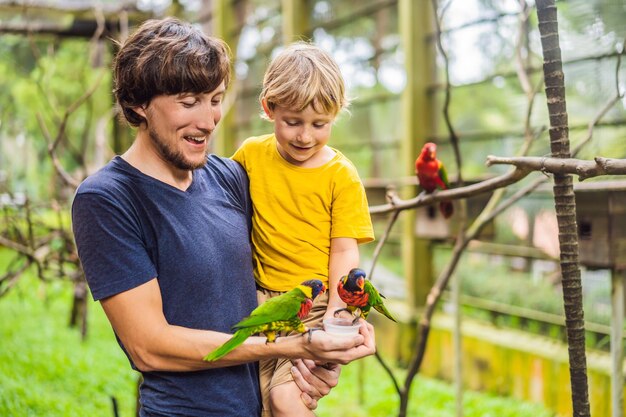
344 255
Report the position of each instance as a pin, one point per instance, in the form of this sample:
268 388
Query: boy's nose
304 137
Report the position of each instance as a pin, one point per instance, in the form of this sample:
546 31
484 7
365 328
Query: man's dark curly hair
166 57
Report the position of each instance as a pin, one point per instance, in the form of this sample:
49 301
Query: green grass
46 370
429 398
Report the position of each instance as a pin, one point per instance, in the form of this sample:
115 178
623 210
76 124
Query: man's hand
316 378
325 347
315 381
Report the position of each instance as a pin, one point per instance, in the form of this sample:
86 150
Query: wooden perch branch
584 169
454 193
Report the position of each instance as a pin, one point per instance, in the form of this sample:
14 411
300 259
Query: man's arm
154 345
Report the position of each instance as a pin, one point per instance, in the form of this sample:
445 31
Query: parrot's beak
360 282
323 288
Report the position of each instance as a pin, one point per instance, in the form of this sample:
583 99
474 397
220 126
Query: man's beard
173 156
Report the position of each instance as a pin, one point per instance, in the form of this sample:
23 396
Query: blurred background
416 70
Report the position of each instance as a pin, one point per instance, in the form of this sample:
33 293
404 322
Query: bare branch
454 138
520 66
53 143
18 247
584 169
9 279
424 199
58 167
389 372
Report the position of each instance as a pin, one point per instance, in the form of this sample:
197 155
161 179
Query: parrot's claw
339 310
356 320
311 330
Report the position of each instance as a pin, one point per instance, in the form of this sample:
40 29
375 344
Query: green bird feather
359 293
282 313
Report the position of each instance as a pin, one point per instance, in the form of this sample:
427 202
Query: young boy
309 206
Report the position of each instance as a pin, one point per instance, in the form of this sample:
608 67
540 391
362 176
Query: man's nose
206 118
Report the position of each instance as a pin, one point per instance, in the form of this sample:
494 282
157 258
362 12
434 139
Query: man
163 235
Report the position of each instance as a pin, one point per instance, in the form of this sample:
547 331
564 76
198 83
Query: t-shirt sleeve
240 155
110 246
350 212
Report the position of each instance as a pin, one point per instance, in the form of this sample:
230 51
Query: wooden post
416 23
295 20
223 26
617 345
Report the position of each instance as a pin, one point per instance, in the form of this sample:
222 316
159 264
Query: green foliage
495 280
46 80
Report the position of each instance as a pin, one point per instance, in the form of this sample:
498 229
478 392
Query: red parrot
432 175
359 293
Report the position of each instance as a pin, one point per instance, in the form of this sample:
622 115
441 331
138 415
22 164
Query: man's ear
266 108
140 110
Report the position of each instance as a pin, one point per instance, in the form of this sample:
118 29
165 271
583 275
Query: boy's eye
291 122
319 125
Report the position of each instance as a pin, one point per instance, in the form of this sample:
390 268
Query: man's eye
188 103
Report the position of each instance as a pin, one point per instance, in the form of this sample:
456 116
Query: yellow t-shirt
297 211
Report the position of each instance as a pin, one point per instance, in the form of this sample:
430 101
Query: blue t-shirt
130 228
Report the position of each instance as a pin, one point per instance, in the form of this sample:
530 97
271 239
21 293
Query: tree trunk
565 205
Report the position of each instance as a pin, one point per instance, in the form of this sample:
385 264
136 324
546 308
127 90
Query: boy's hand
315 381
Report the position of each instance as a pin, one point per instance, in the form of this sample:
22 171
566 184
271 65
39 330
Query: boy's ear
268 112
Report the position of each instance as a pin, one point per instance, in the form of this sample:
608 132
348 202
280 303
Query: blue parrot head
355 280
317 287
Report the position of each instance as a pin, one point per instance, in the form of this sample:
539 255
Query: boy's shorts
273 372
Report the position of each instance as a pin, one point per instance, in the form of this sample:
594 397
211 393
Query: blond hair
301 75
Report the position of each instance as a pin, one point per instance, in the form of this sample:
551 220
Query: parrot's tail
237 339
383 310
446 208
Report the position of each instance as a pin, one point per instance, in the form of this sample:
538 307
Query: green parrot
282 313
358 292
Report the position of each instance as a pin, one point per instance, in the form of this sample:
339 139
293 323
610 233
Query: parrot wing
276 314
282 308
443 175
376 300
445 207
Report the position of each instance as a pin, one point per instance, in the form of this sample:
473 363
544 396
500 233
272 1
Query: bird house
430 223
601 218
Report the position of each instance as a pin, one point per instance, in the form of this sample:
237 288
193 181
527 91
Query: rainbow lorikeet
282 313
359 293
431 174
